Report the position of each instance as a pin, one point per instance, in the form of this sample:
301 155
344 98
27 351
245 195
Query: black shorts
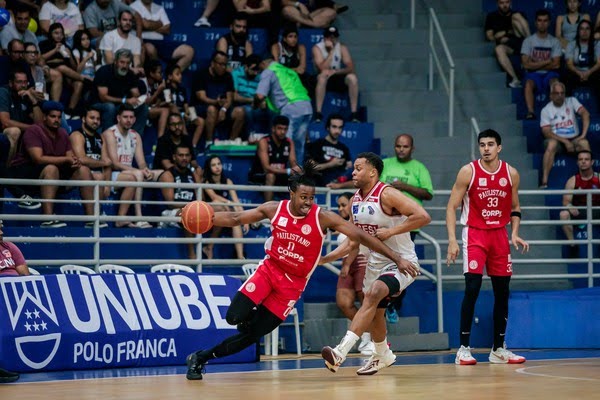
336 83
514 42
33 171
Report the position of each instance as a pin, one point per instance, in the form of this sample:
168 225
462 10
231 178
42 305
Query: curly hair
307 177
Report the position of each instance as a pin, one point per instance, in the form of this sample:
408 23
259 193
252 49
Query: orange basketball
197 217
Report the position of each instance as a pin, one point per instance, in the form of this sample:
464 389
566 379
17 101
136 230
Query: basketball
4 17
197 217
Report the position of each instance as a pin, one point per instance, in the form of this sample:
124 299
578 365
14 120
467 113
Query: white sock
382 347
347 343
365 337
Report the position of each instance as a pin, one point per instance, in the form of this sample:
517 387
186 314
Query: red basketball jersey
488 201
296 242
592 183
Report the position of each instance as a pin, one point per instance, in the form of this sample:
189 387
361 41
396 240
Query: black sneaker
8 376
100 224
318 117
354 117
28 203
195 367
53 224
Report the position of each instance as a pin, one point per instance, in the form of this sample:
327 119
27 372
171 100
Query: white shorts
373 273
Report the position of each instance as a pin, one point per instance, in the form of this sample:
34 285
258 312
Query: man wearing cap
45 153
284 93
336 71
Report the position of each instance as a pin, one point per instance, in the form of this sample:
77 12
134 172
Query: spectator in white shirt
121 38
62 11
155 25
559 126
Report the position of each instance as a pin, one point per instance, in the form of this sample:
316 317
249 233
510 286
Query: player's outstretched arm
235 218
515 218
456 196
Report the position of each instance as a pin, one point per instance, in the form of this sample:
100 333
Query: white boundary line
525 371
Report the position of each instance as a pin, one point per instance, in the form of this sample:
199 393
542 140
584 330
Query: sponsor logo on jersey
503 182
473 264
482 181
282 221
250 287
306 229
371 210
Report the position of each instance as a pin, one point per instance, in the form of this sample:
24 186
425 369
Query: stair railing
434 26
474 134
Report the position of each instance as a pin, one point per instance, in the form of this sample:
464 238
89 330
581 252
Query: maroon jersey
488 201
10 258
296 242
592 183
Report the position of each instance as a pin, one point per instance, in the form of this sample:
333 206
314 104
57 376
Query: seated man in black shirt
116 84
213 95
166 144
507 29
275 157
332 157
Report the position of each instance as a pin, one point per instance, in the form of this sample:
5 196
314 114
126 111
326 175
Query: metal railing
435 29
474 133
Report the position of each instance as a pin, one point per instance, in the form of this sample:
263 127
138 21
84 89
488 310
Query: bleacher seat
357 136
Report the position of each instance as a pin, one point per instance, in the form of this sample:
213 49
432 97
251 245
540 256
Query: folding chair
33 271
172 268
76 269
114 269
272 339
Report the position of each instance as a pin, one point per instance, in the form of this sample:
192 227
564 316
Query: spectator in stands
284 93
236 44
540 56
289 53
412 178
89 147
19 110
39 73
211 6
165 147
245 82
336 72
116 84
332 157
122 38
179 172
350 281
567 25
85 56
585 179
559 127
507 29
275 157
213 174
213 90
319 13
22 16
124 146
101 16
155 25
15 51
59 57
260 15
45 153
158 107
583 61
12 263
179 101
64 12
8 376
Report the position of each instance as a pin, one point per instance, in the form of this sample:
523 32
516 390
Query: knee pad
393 287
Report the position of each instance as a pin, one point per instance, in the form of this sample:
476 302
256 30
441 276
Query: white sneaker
504 356
333 358
202 22
377 362
366 347
515 83
464 357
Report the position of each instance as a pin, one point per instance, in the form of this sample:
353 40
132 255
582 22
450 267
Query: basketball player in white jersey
124 146
390 216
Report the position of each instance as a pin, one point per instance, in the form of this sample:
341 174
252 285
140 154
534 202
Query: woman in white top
62 11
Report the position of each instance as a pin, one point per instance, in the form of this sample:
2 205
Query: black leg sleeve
472 287
501 293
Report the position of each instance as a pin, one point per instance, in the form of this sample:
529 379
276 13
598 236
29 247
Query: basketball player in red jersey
292 253
488 190
389 216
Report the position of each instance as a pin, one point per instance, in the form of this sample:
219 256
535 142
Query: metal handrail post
590 235
438 283
412 15
474 134
430 77
451 104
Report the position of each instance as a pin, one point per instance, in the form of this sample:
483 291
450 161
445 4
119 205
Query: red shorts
489 247
274 289
356 275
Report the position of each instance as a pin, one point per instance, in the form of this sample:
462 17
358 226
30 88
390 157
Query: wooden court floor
414 376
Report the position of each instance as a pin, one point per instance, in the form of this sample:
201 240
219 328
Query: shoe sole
30 207
462 362
192 377
329 357
377 370
499 361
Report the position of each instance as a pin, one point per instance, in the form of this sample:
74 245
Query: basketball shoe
195 366
504 356
377 362
464 357
333 358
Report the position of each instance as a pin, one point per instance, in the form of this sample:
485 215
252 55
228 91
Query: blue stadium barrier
585 96
358 137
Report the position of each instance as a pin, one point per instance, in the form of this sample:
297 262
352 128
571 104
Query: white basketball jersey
368 215
126 145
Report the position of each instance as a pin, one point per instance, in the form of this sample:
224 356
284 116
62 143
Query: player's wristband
516 214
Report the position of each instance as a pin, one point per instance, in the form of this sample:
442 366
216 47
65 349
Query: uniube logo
91 305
